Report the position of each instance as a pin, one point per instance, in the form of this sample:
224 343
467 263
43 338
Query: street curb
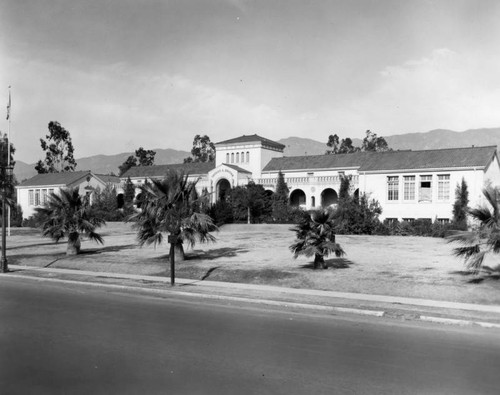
305 306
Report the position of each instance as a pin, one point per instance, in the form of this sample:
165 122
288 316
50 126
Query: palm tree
172 206
67 214
316 236
485 238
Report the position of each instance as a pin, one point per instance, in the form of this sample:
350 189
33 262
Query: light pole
5 184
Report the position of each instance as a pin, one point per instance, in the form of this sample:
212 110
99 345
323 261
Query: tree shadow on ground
101 250
19 247
225 252
333 263
486 273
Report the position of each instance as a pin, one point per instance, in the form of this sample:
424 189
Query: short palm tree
316 237
69 215
172 206
485 238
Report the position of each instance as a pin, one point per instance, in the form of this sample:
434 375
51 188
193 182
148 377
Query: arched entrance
328 197
297 198
222 189
120 200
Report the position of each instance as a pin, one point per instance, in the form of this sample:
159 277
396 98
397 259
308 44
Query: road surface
67 339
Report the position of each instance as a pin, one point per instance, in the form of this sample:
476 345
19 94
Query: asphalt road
57 339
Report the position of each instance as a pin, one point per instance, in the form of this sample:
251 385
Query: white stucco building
33 193
407 184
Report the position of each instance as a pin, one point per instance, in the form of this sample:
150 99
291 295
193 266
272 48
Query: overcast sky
120 74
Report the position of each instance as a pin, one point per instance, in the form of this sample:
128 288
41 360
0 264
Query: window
37 197
393 188
44 196
242 157
425 190
31 199
248 156
444 187
409 188
227 158
237 157
232 157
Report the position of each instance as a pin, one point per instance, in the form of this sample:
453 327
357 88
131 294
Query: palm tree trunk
248 215
179 252
319 260
74 246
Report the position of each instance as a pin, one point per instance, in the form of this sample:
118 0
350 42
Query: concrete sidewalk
342 302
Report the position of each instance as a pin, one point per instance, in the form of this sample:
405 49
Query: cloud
443 90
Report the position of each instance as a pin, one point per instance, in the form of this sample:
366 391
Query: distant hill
442 138
106 164
295 146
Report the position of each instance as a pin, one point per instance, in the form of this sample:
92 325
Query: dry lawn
387 265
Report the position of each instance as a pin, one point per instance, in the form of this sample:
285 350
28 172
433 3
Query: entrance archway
223 187
297 198
328 197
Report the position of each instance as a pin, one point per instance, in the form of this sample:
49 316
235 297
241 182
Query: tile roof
106 178
250 139
193 168
237 168
391 160
66 178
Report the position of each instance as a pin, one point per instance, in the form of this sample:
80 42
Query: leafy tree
357 215
280 205
333 143
374 143
346 147
142 158
250 201
129 192
172 206
345 185
130 162
145 157
69 215
315 236
58 151
105 203
485 238
460 206
203 150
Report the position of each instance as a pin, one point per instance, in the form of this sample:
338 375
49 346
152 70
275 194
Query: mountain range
294 146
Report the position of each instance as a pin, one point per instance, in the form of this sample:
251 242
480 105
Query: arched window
237 157
227 157
242 157
232 157
248 156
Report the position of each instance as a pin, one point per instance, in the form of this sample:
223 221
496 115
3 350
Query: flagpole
8 158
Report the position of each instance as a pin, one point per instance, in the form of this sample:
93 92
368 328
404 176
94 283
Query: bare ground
418 267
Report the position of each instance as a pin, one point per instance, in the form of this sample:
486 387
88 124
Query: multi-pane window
409 188
443 187
425 189
37 197
392 188
44 196
31 197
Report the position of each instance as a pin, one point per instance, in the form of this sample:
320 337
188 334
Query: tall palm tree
316 236
69 215
172 206
485 238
